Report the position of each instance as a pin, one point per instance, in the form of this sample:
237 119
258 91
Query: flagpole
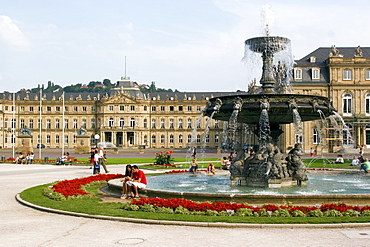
13 126
40 140
63 124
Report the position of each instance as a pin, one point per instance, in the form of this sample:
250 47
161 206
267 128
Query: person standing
102 159
138 181
96 166
312 152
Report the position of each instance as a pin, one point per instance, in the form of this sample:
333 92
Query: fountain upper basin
280 107
267 43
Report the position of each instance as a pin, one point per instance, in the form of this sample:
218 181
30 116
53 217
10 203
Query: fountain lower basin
322 188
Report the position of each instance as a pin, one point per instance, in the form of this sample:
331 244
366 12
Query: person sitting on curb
194 166
211 170
365 166
124 180
138 181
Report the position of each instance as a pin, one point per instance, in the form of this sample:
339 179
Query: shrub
223 213
351 213
211 213
298 213
133 208
147 208
263 213
164 210
332 213
181 210
281 213
315 213
163 158
244 212
365 213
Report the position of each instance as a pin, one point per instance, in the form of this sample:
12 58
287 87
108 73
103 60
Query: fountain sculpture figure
267 110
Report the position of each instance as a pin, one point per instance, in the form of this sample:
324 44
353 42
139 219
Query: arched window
180 138
198 138
110 122
347 104
189 138
121 122
132 122
162 138
217 138
153 139
171 138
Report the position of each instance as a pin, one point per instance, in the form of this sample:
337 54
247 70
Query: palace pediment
120 98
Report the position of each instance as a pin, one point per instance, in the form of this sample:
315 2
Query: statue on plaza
25 131
81 131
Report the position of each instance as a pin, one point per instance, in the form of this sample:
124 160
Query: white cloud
11 35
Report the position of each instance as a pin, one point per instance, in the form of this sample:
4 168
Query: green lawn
95 206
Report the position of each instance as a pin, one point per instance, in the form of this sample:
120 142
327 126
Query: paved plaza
24 226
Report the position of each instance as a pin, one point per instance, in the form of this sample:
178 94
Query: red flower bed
73 187
222 206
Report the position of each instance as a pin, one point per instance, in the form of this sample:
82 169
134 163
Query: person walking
103 159
96 165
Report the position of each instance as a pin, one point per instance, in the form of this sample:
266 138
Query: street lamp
97 137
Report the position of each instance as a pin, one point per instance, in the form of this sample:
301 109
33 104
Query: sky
188 45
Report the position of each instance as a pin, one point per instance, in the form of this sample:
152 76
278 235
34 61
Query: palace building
129 118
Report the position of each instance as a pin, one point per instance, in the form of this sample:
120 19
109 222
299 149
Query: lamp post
97 137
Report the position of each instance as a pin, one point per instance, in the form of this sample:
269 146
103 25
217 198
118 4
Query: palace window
66 139
180 108
57 124
121 122
316 136
347 74
75 123
110 122
121 108
48 108
22 108
368 74
93 125
57 139
189 138
39 123
162 108
297 74
162 138
367 104
347 104
171 138
315 74
153 139
132 122
162 123
189 123
198 138
190 108
172 108
22 123
207 138
31 108
154 108
217 138
66 123
75 108
145 123
30 124
84 123
171 123
145 108
110 108
48 139
180 138
57 108
199 108
84 108
48 123
132 108
153 123
216 124
180 123
74 139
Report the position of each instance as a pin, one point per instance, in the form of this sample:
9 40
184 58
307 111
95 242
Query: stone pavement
24 226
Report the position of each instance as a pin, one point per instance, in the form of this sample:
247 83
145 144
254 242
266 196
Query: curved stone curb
185 223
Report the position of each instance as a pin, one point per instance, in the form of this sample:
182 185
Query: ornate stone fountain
267 110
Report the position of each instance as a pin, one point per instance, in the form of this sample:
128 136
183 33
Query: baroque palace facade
129 119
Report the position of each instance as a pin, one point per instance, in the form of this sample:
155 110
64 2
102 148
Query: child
211 169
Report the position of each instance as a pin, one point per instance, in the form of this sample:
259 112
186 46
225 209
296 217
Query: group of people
98 158
133 180
24 159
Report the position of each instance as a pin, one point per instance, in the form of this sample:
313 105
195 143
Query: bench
70 160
